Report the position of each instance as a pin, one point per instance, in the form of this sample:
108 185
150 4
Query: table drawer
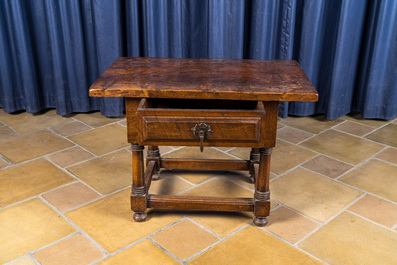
179 122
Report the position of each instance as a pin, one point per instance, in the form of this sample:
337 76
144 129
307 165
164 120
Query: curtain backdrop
51 51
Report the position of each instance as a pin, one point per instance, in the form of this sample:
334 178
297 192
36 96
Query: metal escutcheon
202 130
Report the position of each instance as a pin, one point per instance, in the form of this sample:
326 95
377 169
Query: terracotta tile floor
64 196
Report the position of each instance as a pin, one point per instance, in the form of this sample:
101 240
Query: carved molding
265 151
263 196
137 147
138 191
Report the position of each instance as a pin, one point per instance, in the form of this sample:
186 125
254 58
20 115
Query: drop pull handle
202 130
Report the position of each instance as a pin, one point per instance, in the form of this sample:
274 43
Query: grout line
28 255
12 129
371 221
227 150
239 184
276 236
73 176
78 229
102 196
311 255
53 243
35 261
361 163
142 239
179 177
322 224
359 123
196 185
385 161
216 243
319 223
166 251
203 227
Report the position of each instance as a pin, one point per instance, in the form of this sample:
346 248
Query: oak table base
141 199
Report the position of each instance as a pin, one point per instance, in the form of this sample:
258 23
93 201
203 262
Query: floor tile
96 119
193 152
279 125
163 149
25 227
70 156
123 122
311 194
347 148
292 135
168 184
221 223
370 122
6 132
386 135
220 187
286 156
349 239
354 128
223 148
109 221
376 209
28 122
76 250
184 239
289 225
240 177
102 140
24 261
375 176
253 245
3 163
327 166
106 174
3 113
194 176
314 124
242 153
70 196
71 128
389 155
23 181
143 253
28 146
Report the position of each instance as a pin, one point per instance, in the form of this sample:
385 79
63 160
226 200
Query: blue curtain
51 51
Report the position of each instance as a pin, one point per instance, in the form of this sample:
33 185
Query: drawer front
224 129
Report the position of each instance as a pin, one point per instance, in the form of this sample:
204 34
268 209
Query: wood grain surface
233 79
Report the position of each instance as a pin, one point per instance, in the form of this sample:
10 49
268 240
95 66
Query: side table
202 102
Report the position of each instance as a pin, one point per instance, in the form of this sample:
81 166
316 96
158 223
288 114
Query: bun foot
260 220
139 216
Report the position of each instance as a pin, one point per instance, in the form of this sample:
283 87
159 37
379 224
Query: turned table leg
153 153
139 192
262 193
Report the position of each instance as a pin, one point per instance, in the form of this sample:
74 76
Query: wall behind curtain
51 51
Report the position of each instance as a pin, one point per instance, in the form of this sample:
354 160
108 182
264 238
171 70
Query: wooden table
202 102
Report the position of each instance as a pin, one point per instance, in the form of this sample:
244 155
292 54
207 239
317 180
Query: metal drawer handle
202 130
